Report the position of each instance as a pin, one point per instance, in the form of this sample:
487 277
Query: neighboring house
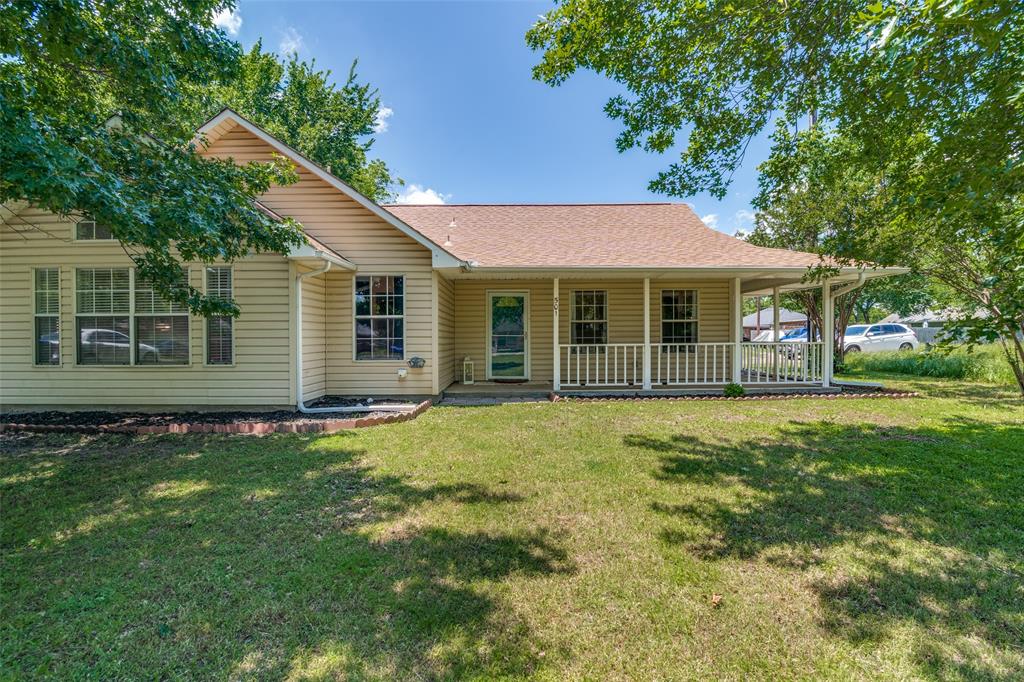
762 320
391 300
929 326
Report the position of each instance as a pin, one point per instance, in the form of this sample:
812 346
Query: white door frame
491 293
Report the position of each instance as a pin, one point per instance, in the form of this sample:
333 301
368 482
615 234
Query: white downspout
299 403
861 278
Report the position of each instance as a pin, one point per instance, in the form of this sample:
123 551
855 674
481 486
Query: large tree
927 94
302 106
65 68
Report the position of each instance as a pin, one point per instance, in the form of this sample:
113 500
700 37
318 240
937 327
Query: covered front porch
664 333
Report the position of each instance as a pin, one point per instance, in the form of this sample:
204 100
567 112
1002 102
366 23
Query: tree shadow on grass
217 557
921 527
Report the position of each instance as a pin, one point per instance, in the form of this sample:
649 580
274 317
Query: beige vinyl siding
314 337
471 323
377 248
625 314
260 375
712 308
448 361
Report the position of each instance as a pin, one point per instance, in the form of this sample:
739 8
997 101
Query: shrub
984 363
734 391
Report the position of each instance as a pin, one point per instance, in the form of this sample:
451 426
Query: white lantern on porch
467 370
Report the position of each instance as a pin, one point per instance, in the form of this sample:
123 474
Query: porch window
380 317
679 316
589 317
220 329
46 292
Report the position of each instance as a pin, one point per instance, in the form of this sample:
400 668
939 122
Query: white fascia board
439 257
306 251
656 272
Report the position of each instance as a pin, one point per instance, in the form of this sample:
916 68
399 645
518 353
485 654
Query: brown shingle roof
587 235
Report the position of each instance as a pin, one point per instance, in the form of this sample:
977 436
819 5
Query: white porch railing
782 363
680 364
688 364
612 364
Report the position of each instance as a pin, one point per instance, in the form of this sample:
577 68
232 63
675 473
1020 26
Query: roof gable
228 120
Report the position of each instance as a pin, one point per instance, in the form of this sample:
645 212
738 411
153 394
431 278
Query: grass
987 364
662 540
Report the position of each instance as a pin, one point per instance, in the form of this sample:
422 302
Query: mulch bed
847 392
257 423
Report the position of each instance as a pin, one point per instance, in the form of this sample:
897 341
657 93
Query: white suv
875 337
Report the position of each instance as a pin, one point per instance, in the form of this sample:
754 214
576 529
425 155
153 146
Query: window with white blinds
46 307
161 326
220 328
103 299
118 317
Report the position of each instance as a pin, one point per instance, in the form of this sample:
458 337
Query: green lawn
845 539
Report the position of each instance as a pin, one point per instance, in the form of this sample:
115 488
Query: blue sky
467 122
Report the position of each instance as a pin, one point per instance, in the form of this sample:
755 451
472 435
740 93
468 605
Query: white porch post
827 333
556 362
647 333
736 296
775 312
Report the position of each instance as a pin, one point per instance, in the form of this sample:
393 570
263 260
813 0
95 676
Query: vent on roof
451 226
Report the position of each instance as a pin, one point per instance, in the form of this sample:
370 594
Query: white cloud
711 220
743 220
380 121
417 194
228 19
291 42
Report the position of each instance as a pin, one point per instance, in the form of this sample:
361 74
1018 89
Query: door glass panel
508 336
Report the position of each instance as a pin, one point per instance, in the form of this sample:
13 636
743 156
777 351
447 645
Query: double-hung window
589 317
46 307
103 309
220 329
380 317
118 316
679 316
161 326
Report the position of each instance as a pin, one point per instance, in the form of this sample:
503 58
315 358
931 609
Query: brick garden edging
555 398
251 428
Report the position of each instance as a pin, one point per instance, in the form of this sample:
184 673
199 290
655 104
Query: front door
508 348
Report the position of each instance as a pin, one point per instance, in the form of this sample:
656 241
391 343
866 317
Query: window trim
662 320
36 315
403 316
206 320
131 319
76 240
573 321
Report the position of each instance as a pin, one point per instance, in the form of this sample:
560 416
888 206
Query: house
763 320
397 300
